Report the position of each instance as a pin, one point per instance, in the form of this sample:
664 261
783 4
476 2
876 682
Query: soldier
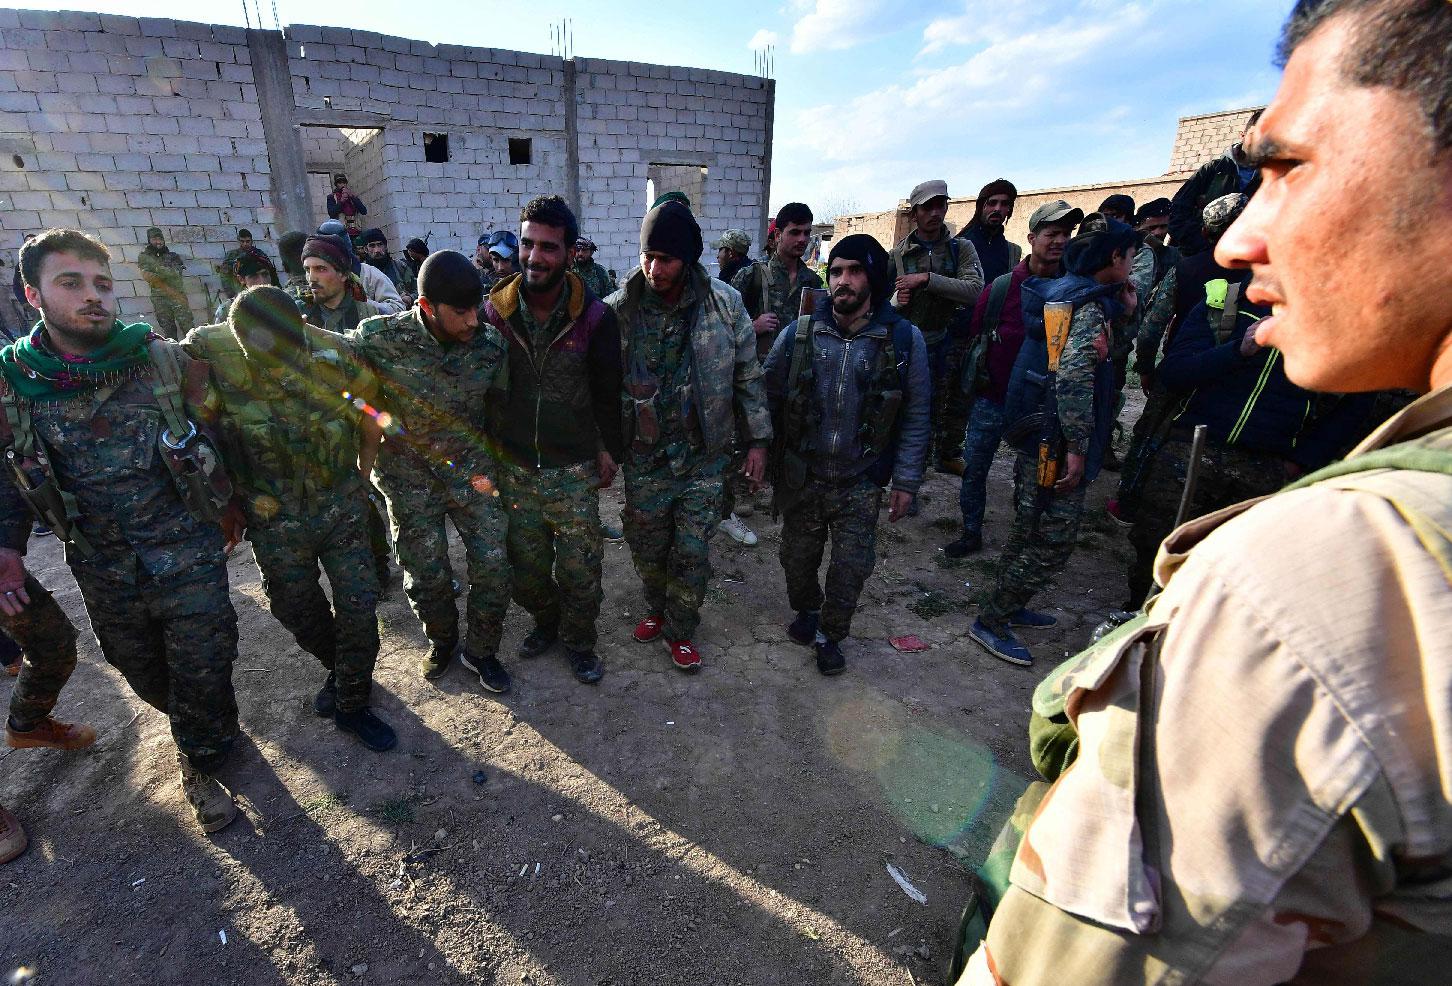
376 255
289 250
287 397
344 206
483 263
252 270
164 271
600 281
415 252
772 289
733 253
555 414
1260 791
337 300
227 269
504 255
435 364
377 288
44 640
991 212
856 423
937 274
1046 523
1230 172
691 374
117 412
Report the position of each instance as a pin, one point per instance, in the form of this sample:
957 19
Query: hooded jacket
843 369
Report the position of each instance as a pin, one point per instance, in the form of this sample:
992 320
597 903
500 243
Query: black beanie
290 248
670 228
450 278
374 235
874 259
267 324
417 245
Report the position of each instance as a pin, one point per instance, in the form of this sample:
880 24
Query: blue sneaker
1004 646
1029 618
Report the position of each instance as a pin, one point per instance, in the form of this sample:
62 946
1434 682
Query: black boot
966 545
325 703
491 673
371 731
829 658
586 667
803 630
538 640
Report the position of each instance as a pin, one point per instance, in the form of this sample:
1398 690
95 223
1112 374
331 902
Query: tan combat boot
12 837
210 800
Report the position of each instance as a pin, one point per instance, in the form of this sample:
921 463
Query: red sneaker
647 629
1117 513
685 656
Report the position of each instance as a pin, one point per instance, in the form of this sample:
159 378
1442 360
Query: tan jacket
1263 792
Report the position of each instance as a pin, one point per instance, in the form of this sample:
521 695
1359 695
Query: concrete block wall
112 124
1203 138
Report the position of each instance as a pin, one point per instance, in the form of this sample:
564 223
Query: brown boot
52 733
210 800
953 465
12 837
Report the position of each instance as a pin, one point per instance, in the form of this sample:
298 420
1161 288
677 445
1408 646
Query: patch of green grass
396 811
324 805
950 524
933 604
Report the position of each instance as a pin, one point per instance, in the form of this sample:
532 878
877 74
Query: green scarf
36 373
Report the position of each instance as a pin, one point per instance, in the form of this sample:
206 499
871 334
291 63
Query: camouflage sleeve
1158 310
751 407
742 283
1075 387
1142 272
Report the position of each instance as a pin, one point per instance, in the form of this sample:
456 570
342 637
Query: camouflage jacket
290 435
726 395
434 396
103 451
766 286
163 272
596 278
955 278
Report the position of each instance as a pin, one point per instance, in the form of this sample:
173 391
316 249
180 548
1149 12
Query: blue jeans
980 442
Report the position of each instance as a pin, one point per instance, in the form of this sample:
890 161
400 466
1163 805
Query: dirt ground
730 827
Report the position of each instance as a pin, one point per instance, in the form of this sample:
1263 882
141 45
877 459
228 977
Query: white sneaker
739 532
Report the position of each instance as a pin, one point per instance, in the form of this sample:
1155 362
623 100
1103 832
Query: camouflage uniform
48 641
434 464
701 357
951 286
848 514
767 286
292 440
156 586
1035 554
569 370
596 278
163 273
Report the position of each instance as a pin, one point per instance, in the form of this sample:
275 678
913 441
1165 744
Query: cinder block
84 181
117 24
158 27
147 45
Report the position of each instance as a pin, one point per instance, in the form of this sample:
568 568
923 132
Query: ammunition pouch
56 508
1024 432
196 466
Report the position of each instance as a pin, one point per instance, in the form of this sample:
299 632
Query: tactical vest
190 455
801 418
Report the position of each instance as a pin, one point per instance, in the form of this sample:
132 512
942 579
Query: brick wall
1203 138
112 124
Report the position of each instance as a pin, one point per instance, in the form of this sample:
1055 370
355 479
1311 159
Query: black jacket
1213 179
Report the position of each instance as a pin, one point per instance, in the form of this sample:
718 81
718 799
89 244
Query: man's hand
1146 382
234 526
899 502
1248 345
911 282
1101 346
13 597
1073 474
605 466
766 324
754 468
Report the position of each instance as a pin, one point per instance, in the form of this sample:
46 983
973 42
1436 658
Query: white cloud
832 25
762 39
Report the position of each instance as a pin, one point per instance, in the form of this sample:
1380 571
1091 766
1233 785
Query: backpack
973 377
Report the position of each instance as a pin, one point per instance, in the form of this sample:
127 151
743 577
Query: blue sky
874 96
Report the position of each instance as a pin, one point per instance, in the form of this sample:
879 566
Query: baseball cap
733 239
504 243
927 191
1057 211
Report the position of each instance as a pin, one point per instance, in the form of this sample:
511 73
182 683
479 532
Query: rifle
1057 317
1197 449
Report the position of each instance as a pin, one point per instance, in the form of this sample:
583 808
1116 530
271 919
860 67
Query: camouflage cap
927 191
733 239
1057 211
1219 214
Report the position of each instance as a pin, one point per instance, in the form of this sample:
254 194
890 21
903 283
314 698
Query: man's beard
322 299
847 302
77 327
995 219
545 286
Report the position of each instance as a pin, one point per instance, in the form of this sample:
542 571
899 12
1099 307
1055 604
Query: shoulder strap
801 352
17 423
166 387
1229 314
763 289
953 256
997 295
902 350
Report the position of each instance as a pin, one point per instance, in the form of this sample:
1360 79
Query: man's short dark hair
553 211
290 248
33 252
450 278
1400 44
1254 118
266 321
793 214
244 234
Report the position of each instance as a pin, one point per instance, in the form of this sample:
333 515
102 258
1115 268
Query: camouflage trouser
980 444
848 515
949 410
418 513
556 547
735 486
47 640
173 316
343 636
174 641
378 530
1228 475
1033 555
669 523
